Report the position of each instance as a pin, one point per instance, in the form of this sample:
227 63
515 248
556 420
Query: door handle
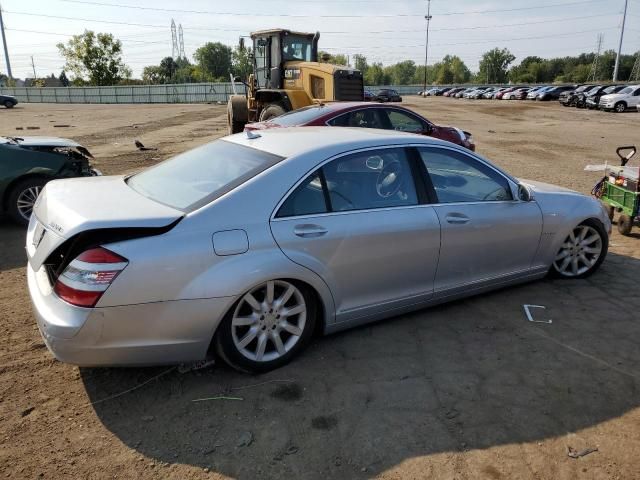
309 231
457 218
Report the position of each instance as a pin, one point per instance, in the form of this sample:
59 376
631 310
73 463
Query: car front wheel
23 197
9 104
582 251
267 327
620 107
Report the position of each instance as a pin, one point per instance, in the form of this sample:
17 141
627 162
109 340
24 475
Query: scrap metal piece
530 317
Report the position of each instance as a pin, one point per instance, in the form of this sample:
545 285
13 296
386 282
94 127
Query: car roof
287 142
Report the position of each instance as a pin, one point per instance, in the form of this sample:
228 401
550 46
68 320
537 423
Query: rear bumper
132 335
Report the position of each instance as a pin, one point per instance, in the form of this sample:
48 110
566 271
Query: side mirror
524 194
428 129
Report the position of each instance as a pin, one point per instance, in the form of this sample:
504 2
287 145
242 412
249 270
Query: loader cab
273 48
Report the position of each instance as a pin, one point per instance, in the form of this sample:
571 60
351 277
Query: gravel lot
469 390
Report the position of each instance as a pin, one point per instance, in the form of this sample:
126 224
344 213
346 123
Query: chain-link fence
178 93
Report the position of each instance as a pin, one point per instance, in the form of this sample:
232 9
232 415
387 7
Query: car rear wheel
620 107
582 252
23 197
267 327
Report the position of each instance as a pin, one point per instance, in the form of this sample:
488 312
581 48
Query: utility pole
426 46
33 65
6 50
624 19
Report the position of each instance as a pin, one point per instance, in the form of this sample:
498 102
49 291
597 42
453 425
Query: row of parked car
618 98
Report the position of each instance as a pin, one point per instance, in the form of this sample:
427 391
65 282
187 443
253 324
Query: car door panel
485 232
368 258
483 241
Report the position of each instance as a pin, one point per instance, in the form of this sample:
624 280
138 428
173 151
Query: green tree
242 63
375 75
335 59
402 72
97 57
214 61
494 65
63 79
360 63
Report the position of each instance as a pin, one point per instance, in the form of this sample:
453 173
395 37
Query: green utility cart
619 190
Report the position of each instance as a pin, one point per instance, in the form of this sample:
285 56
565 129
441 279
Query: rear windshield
199 176
300 117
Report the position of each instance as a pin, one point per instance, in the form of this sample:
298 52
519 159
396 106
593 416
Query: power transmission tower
594 66
175 51
181 42
635 71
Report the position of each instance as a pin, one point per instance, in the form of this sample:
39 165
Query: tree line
96 59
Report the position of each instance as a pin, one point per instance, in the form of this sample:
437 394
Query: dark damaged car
28 163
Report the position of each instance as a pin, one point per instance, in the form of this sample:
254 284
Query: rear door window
367 180
364 118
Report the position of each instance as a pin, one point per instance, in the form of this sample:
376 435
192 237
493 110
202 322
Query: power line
208 12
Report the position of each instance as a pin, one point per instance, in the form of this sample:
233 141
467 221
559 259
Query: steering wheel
389 179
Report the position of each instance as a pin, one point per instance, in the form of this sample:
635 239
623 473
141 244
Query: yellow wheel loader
287 76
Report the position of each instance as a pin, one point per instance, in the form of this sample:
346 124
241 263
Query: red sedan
366 115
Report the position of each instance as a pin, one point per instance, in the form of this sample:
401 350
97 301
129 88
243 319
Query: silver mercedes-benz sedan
253 243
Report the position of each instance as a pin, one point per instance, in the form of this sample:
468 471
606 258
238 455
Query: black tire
625 224
237 113
553 272
620 107
272 111
225 347
9 104
20 190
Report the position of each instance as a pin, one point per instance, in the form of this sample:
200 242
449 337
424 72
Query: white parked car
628 97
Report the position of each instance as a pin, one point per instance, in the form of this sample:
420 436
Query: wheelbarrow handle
625 158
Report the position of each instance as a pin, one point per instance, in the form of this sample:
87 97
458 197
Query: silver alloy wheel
269 321
580 252
26 200
620 107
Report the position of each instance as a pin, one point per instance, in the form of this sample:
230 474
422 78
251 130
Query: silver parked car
253 243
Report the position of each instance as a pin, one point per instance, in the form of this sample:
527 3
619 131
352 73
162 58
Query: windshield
610 89
300 117
593 90
296 48
626 90
199 176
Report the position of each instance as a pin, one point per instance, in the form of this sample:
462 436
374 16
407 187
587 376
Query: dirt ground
469 390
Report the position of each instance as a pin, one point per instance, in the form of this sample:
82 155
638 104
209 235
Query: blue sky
382 30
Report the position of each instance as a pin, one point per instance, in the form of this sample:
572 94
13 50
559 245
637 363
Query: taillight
88 276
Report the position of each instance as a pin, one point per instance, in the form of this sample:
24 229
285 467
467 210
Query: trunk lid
68 207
